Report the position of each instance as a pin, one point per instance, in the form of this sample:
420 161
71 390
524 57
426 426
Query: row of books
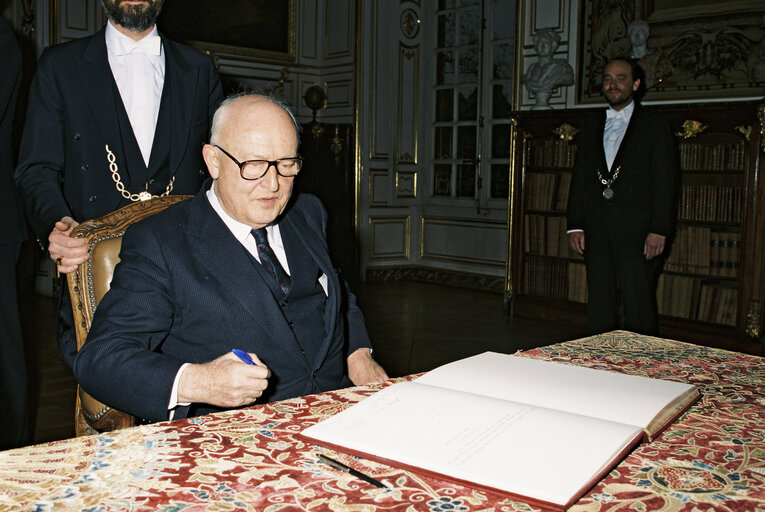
577 282
700 250
545 276
711 203
552 152
547 191
554 277
712 157
696 299
686 297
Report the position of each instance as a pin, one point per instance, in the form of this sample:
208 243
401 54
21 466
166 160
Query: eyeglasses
256 169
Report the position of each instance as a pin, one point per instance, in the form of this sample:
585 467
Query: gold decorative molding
410 23
485 283
745 130
284 75
507 297
406 184
508 285
691 128
28 19
566 132
384 229
753 320
336 145
761 119
214 57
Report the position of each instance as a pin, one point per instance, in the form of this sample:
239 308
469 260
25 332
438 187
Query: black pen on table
358 474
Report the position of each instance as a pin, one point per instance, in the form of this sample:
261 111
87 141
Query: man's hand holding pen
225 381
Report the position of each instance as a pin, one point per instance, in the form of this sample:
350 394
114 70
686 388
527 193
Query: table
712 458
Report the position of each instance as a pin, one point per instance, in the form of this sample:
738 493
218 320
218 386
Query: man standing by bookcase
621 204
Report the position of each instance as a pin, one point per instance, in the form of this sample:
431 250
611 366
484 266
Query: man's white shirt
138 68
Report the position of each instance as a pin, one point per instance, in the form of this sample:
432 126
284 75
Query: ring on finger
58 261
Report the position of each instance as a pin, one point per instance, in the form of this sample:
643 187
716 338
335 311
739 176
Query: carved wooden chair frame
91 415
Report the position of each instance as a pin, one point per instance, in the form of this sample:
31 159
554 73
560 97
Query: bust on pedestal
547 74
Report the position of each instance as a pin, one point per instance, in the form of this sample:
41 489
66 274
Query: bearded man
621 206
125 94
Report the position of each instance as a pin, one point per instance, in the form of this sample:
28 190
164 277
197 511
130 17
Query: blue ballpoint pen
244 356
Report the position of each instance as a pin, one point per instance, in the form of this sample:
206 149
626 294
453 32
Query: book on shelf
710 203
547 191
714 157
545 276
577 282
697 299
539 430
552 152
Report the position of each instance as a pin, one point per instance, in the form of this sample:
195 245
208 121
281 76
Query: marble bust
546 74
638 32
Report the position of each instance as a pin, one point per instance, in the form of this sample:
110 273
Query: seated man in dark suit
241 265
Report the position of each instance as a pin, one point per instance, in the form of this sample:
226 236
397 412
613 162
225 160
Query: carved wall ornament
753 320
565 132
279 85
745 130
214 57
336 145
691 128
28 20
410 23
697 50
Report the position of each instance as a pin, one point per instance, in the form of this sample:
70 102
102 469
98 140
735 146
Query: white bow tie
150 44
616 114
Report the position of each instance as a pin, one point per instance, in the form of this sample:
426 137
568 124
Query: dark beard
132 17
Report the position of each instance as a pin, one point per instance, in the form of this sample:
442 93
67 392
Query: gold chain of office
141 196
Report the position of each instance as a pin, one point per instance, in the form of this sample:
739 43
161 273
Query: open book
538 430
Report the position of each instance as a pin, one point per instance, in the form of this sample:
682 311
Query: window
473 59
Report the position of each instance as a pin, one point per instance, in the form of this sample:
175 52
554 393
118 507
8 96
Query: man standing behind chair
621 204
240 265
125 93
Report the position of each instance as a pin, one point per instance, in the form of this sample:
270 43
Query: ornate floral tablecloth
712 458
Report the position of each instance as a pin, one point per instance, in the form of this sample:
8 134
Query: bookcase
711 288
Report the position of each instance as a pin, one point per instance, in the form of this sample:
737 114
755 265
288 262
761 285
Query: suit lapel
236 273
601 150
182 80
317 248
98 86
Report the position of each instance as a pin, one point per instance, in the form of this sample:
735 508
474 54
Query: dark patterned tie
269 260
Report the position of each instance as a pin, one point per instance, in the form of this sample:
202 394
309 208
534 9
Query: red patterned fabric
712 458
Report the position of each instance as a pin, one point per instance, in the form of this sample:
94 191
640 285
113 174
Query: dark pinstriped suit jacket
187 291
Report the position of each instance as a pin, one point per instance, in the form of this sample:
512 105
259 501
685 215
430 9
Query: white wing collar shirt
613 133
138 68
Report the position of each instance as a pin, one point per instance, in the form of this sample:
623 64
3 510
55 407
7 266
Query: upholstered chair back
87 286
